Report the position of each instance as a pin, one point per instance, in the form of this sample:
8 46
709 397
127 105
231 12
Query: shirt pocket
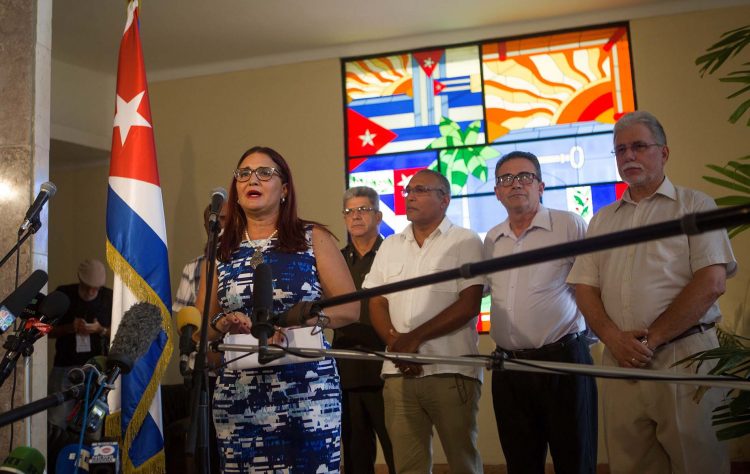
669 249
670 257
548 275
441 264
394 272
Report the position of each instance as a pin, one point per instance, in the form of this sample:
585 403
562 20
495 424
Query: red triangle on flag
136 157
429 60
365 136
437 86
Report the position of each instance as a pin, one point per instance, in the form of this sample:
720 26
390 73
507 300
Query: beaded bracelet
215 320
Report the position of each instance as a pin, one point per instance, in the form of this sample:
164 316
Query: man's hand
628 350
79 326
407 343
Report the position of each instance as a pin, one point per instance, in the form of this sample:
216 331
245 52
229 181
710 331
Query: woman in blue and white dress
282 418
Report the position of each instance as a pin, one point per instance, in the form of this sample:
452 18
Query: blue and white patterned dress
283 418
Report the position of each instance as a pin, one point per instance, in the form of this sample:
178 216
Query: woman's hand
234 323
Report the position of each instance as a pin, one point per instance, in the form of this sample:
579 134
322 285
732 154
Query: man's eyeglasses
420 190
350 211
637 148
264 173
523 178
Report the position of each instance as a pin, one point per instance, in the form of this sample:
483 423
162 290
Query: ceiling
183 38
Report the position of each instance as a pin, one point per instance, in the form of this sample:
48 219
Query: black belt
541 351
703 327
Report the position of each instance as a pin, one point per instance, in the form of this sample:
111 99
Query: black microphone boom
689 224
46 191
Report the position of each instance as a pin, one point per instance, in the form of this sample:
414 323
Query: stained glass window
458 109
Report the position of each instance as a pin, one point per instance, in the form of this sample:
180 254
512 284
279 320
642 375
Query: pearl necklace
257 257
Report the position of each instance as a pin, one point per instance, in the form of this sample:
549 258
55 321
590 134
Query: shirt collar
445 224
352 251
666 189
542 219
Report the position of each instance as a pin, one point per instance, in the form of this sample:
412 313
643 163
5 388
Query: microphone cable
77 460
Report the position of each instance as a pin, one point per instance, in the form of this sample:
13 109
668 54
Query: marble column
25 61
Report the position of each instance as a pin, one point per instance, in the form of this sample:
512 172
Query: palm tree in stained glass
460 156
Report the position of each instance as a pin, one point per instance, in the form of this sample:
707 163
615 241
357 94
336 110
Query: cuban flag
137 254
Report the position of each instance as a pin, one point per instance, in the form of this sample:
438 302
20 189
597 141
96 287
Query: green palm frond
732 358
457 164
730 45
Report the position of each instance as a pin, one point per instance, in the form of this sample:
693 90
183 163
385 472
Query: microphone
262 316
46 191
218 196
139 327
22 342
188 321
262 328
23 460
13 305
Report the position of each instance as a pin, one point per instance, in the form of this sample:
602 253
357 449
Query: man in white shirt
534 317
652 305
190 280
438 319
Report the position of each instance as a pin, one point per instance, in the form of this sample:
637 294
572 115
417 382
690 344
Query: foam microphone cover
26 291
54 305
139 326
23 460
187 316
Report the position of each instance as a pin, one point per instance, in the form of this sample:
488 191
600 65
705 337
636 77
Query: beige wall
203 124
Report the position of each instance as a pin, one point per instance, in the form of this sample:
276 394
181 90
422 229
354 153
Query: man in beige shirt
651 305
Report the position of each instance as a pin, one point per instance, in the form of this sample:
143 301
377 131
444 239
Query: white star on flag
367 138
428 62
405 178
127 116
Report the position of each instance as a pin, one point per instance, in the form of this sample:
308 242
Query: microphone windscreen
263 288
188 315
26 291
137 330
49 187
54 305
23 460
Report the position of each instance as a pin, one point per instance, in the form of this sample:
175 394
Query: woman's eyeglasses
264 173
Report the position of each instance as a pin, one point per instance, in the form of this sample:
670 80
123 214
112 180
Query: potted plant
732 357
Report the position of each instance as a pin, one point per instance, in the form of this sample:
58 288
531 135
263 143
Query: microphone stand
499 362
36 224
197 437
